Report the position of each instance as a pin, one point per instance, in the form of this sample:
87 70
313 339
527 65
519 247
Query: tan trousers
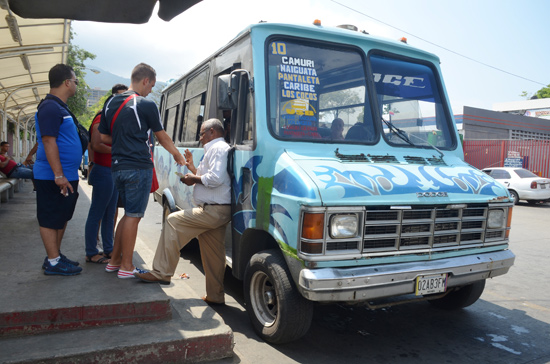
208 225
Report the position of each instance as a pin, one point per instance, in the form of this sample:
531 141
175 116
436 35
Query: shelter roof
28 49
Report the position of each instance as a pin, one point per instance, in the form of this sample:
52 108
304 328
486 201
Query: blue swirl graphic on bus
387 180
246 204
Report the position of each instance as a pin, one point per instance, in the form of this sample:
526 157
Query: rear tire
461 297
278 312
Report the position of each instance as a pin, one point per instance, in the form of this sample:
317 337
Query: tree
543 93
88 116
76 58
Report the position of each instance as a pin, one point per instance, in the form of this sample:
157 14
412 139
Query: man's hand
179 159
189 161
27 161
64 185
190 179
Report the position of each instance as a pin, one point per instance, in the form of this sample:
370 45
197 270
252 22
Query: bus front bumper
368 283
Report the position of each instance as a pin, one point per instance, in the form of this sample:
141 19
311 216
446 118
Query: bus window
170 121
194 115
410 103
312 84
248 130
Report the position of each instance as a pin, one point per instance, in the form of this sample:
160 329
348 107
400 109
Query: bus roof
311 31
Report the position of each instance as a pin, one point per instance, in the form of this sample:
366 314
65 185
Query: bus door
235 99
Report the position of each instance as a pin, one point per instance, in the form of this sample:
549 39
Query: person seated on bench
11 168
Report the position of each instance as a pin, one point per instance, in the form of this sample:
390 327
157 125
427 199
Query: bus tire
461 297
278 312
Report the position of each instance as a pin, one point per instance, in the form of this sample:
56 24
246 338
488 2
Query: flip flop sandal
102 260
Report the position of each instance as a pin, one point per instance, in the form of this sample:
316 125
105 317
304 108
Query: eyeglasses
76 81
203 132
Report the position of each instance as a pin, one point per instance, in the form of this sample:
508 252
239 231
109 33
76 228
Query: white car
522 184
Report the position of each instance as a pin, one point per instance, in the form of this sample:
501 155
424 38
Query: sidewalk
94 316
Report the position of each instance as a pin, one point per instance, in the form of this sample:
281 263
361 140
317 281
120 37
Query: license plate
543 186
431 284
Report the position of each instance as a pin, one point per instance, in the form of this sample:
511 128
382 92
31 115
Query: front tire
278 312
461 297
515 196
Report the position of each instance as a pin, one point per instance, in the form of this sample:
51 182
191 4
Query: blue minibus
348 177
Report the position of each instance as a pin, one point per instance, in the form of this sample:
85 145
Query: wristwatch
58 177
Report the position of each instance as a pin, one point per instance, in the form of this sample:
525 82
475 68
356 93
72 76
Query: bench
8 186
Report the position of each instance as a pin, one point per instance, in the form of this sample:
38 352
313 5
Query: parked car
84 165
522 184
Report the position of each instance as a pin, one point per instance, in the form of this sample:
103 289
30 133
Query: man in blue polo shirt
56 168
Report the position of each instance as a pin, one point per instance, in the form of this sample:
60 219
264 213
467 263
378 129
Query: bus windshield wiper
403 135
400 133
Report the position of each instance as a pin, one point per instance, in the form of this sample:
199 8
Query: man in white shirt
207 222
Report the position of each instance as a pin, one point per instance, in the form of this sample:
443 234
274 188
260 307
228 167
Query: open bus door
234 93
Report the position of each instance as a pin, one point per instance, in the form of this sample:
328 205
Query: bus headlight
496 219
343 226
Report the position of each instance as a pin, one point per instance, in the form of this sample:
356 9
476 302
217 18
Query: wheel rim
263 298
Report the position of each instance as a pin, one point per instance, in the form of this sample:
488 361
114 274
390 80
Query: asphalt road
509 324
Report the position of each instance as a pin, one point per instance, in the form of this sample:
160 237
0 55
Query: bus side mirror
228 87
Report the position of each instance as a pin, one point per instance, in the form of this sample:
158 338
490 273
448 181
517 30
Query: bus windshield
318 93
410 103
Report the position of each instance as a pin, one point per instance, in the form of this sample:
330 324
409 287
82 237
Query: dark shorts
53 210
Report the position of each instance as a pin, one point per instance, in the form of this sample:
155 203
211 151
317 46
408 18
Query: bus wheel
278 312
461 297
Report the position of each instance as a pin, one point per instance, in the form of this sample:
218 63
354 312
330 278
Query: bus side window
172 112
194 115
170 121
248 129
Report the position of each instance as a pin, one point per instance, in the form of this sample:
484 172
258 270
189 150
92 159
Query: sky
490 50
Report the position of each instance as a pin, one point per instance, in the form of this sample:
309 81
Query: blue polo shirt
52 119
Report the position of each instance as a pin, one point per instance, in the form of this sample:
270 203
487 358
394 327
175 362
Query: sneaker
126 274
67 260
62 269
62 258
112 268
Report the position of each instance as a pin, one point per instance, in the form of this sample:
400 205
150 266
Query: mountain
104 80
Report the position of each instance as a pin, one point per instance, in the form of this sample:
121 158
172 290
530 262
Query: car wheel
460 297
278 312
514 195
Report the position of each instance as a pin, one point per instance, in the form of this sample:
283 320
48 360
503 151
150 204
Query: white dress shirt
216 184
